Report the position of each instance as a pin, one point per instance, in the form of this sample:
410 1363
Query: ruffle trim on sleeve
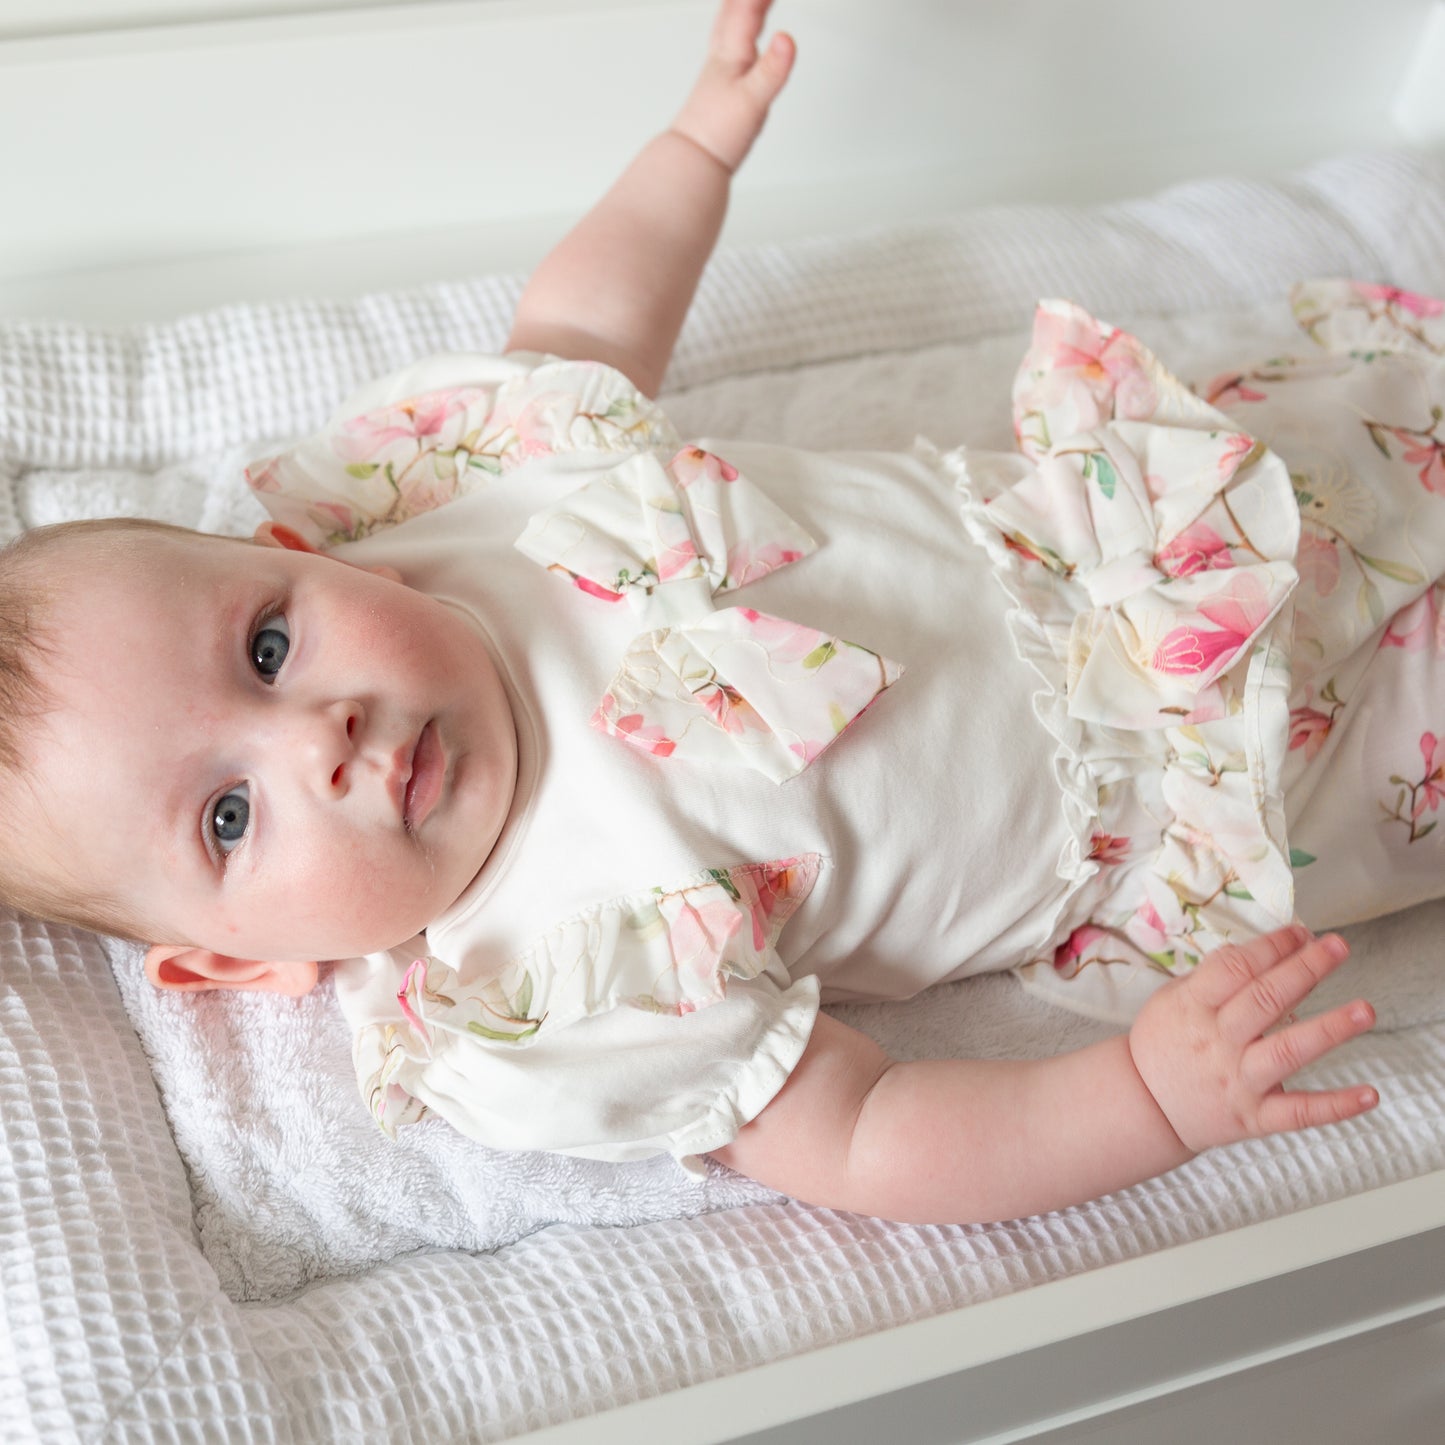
663 950
443 428
1148 551
772 1061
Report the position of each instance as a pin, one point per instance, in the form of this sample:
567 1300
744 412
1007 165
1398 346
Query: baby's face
264 752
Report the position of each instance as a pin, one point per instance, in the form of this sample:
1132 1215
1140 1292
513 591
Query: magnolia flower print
1420 447
1395 302
1419 627
1088 375
1192 649
1232 388
718 927
1414 800
1107 848
1197 548
1318 304
1309 727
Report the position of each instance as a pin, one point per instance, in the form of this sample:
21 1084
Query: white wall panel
482 125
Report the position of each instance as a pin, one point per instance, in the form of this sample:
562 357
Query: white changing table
173 155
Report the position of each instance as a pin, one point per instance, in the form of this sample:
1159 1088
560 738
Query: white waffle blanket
166 1198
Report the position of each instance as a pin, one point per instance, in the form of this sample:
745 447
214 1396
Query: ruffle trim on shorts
1147 546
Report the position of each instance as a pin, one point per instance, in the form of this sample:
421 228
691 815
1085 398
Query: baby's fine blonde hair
31 578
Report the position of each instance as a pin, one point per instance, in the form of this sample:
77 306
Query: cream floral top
781 736
774 742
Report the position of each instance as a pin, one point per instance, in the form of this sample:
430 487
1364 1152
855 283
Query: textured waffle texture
119 1326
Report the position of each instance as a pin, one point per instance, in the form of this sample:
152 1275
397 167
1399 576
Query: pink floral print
1197 548
741 688
1365 317
1076 376
1396 300
375 468
1310 727
1415 799
671 950
1195 650
638 527
735 687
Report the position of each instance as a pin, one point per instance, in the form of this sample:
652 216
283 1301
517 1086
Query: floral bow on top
731 686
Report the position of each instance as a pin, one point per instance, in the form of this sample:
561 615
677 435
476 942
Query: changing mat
208 1233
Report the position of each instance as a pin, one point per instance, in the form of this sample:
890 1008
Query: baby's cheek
380 900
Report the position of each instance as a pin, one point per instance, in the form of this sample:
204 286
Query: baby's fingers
735 31
1269 1061
1263 1002
1300 1110
1223 972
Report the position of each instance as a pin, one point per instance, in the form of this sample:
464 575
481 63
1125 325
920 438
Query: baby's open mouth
424 786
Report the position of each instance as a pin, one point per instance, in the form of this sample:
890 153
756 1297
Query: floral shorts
1235 597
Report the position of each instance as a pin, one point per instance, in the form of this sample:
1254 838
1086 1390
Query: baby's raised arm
617 287
964 1140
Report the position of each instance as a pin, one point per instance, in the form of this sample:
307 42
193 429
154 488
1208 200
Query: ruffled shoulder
665 950
443 427
1362 316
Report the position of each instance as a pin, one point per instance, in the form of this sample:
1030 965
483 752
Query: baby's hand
730 101
1201 1048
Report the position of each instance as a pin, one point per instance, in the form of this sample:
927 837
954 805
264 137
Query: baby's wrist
678 131
1148 1092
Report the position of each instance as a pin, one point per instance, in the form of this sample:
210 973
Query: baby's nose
331 744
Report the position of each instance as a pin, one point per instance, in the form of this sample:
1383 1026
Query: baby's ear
277 534
179 966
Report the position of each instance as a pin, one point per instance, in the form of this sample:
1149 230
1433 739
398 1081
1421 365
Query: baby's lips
399 775
423 788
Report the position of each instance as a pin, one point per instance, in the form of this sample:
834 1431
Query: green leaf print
1420 832
646 921
1298 858
819 655
486 464
723 879
1101 469
361 470
522 1007
1374 429
501 1037
1408 575
1368 603
1238 890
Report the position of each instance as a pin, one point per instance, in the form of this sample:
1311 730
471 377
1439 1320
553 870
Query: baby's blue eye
269 646
229 818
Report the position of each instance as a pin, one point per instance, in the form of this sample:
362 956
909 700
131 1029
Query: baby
361 740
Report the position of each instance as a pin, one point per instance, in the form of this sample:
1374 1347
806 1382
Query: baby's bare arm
617 287
961 1140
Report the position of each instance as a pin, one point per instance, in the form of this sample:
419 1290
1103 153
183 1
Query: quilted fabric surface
119 1325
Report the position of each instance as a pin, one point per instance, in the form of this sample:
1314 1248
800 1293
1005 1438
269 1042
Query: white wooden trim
955 1345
